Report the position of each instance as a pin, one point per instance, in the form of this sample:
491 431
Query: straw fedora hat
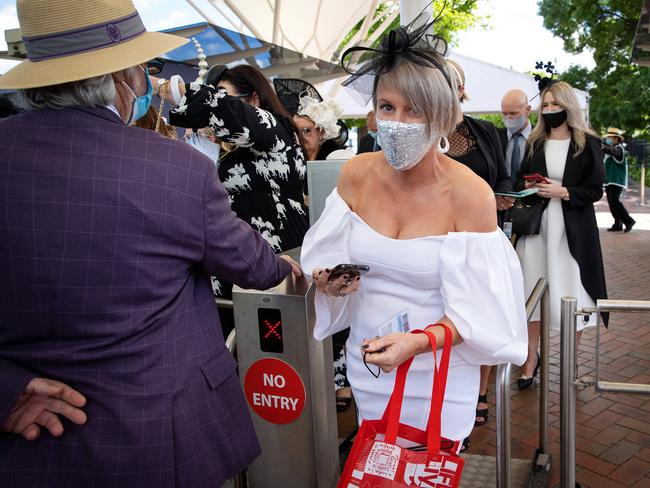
73 40
614 132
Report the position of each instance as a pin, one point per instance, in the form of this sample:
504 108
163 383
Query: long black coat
584 175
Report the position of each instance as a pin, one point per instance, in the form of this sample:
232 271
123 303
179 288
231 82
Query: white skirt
547 255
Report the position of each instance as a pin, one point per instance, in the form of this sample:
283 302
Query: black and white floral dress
265 173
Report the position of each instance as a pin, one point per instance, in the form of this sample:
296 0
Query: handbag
526 215
379 457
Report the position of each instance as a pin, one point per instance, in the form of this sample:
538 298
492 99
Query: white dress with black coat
567 251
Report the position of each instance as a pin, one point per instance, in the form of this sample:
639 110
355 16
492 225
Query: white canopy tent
485 84
317 28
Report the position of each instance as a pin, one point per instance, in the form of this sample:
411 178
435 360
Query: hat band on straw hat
77 41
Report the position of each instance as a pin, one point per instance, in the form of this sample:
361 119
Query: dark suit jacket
503 137
584 175
107 237
489 144
367 144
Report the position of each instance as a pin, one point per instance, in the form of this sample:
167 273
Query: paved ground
613 430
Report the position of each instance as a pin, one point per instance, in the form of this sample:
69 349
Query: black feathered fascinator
544 81
291 90
413 42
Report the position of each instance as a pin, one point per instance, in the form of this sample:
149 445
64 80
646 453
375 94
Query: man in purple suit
113 369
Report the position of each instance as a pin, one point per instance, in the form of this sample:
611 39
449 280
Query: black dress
264 174
464 149
481 151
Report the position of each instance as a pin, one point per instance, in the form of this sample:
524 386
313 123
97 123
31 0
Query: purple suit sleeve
13 380
233 250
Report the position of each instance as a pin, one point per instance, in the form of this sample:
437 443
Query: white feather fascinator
324 114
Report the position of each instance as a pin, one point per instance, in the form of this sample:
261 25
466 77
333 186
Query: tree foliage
620 92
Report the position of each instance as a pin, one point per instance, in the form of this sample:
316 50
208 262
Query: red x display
269 321
272 329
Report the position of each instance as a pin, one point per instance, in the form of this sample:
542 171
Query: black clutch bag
526 215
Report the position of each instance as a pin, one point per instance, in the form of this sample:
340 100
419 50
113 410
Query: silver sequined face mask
404 145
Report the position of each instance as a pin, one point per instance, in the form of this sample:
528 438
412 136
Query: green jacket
616 169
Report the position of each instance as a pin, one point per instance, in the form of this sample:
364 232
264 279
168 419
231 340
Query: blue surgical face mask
140 103
205 145
609 141
515 124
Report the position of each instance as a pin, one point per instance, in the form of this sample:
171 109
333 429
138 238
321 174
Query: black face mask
555 119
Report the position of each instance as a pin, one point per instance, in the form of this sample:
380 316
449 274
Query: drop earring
442 149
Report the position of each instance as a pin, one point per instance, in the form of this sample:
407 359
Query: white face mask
205 145
404 145
514 125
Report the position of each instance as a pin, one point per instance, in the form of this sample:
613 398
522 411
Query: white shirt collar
113 109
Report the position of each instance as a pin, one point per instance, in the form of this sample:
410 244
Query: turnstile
288 380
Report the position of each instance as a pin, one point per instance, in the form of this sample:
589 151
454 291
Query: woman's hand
338 287
169 94
390 351
551 190
156 84
529 184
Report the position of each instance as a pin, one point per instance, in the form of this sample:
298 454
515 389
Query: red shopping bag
380 457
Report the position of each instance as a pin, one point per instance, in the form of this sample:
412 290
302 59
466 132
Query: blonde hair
149 120
458 77
426 89
565 97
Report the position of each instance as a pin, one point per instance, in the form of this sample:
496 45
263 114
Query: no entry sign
274 391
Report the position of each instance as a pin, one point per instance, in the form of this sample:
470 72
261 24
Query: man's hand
504 203
295 267
40 406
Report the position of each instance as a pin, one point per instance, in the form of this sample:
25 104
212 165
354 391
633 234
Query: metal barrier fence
542 459
568 374
540 296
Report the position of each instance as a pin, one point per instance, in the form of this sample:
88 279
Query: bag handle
394 407
434 425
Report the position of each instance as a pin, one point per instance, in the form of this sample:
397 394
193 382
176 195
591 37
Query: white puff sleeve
326 245
483 295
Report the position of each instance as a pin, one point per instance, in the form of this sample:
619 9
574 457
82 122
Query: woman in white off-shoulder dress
426 227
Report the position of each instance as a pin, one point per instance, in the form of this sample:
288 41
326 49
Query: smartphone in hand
352 270
536 178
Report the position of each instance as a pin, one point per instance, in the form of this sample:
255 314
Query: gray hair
91 92
426 89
